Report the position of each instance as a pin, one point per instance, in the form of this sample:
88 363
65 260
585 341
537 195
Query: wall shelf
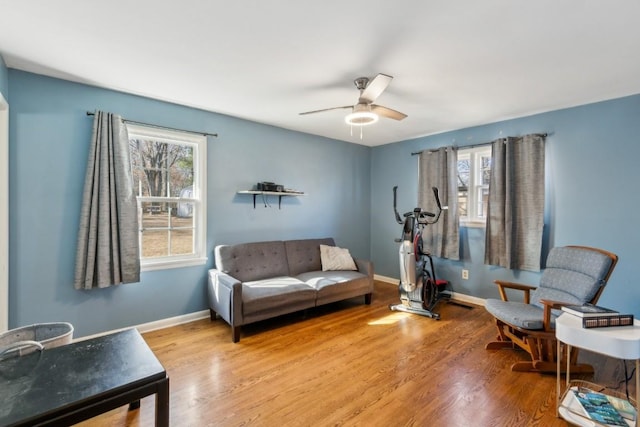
280 195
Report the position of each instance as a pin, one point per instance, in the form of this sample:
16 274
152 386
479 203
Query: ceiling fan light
361 118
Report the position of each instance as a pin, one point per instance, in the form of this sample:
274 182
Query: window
169 176
474 171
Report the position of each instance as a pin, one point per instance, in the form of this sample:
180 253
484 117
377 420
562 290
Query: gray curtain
108 249
515 217
439 168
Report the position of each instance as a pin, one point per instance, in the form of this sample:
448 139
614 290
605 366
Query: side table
74 382
621 342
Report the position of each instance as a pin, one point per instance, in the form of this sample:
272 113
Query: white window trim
475 153
200 181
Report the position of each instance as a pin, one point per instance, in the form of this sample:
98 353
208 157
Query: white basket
30 338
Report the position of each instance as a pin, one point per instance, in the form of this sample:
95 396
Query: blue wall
591 156
591 170
48 149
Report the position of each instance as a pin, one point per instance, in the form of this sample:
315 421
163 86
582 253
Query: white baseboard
172 321
454 295
157 324
386 279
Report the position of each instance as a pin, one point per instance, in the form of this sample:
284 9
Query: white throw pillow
335 258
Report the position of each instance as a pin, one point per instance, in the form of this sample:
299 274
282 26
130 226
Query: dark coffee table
71 383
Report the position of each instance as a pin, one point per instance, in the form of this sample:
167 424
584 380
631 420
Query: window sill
176 263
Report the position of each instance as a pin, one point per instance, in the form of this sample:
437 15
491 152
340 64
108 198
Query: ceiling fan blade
375 88
387 112
326 109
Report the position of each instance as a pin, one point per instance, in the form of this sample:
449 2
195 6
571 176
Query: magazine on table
588 310
598 407
624 407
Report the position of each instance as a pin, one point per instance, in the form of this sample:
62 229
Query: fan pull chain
351 131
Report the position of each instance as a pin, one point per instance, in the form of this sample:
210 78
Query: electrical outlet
465 274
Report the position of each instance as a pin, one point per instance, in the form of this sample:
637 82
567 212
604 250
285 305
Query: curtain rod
89 113
545 134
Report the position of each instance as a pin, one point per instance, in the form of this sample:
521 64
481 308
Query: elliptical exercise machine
419 288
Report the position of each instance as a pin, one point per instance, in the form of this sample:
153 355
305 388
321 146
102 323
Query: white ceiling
455 63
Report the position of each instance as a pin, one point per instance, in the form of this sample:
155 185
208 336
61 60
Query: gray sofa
261 280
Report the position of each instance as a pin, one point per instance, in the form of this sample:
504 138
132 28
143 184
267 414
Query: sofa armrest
365 267
225 296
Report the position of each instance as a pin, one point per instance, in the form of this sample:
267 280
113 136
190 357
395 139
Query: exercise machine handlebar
418 214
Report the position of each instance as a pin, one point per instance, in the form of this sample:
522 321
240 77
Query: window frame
475 155
199 144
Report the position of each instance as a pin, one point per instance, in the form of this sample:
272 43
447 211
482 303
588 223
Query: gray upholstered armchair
573 275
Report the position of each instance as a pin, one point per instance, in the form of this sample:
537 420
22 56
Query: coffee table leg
162 404
134 405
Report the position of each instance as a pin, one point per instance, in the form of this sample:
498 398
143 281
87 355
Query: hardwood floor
354 365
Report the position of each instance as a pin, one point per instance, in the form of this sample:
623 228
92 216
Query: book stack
594 316
581 404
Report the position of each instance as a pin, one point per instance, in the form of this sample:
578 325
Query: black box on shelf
269 186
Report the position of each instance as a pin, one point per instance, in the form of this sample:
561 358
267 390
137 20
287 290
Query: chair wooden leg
544 362
536 366
501 333
497 345
535 348
541 349
502 341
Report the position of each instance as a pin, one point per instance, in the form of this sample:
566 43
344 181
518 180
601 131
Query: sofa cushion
270 294
527 316
319 279
252 261
572 275
304 255
336 285
335 258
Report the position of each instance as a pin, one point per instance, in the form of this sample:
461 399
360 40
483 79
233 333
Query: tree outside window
168 173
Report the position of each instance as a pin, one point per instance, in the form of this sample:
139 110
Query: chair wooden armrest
556 305
548 306
502 285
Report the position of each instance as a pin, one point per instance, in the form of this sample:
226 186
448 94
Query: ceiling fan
365 112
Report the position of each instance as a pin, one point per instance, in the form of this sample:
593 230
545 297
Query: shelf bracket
279 201
266 194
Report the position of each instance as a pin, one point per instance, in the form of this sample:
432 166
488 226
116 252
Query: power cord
627 378
265 201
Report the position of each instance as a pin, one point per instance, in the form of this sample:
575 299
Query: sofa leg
367 298
235 333
213 314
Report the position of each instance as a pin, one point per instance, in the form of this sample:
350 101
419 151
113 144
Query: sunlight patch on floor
390 319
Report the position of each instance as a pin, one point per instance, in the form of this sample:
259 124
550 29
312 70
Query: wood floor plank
349 364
